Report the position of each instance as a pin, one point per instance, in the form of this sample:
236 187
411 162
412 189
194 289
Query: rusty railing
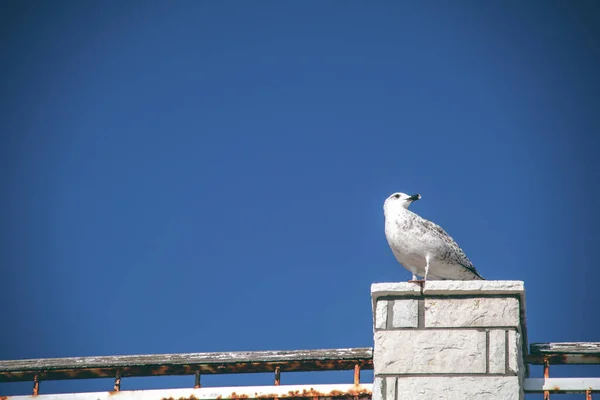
547 354
197 364
276 362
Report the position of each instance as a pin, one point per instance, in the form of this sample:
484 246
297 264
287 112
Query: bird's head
398 200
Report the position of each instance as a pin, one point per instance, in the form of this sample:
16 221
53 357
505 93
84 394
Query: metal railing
198 364
276 362
547 354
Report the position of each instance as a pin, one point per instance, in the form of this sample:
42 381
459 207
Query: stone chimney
455 340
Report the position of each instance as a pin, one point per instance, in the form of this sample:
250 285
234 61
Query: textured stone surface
459 388
470 328
378 389
497 351
448 287
405 314
514 352
430 351
475 312
394 289
474 287
381 314
390 388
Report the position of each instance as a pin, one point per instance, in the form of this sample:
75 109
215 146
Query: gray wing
453 251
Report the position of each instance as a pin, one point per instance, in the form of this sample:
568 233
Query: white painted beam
221 393
567 385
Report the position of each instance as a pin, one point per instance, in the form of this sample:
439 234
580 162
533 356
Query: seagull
421 246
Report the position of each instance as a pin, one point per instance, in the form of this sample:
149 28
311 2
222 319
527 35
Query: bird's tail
478 277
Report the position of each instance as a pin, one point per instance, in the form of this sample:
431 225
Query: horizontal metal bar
562 359
564 353
223 393
591 348
186 364
561 385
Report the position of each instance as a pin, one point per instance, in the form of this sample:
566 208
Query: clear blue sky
209 175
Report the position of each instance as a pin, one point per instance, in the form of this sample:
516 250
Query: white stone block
474 287
459 288
377 389
515 351
390 388
430 351
395 288
459 388
497 351
473 312
381 314
405 314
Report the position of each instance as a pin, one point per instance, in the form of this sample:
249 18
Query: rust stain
559 359
546 375
305 393
357 375
588 394
315 393
234 395
546 395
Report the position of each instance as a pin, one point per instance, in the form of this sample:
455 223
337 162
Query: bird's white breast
409 244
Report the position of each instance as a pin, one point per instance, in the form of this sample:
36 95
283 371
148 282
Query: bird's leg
426 273
415 279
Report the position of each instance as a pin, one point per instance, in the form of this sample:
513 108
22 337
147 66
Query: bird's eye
396 196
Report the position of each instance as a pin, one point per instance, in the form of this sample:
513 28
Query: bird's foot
420 282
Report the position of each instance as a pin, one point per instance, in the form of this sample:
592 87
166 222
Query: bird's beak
415 197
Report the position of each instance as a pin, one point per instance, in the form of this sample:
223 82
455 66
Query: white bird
421 246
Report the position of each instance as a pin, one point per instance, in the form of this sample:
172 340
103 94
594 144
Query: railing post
277 376
452 340
546 376
36 384
117 385
197 384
